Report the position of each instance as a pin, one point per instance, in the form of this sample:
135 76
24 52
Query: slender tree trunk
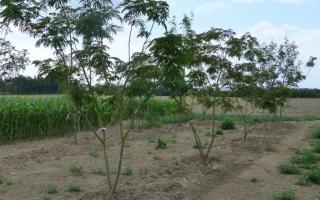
77 128
106 160
129 43
119 168
245 132
147 38
198 141
213 129
280 113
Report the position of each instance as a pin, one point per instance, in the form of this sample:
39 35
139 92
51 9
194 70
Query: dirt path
268 178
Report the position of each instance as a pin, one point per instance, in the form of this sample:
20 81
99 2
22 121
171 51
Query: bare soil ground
174 173
294 106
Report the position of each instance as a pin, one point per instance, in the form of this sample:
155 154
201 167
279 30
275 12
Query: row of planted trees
181 61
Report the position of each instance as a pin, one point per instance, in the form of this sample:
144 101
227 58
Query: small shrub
208 134
4 181
253 180
52 189
46 197
285 195
304 160
156 157
161 144
304 180
219 132
289 168
173 141
316 146
316 133
76 169
196 145
227 124
127 171
94 153
174 136
74 187
314 175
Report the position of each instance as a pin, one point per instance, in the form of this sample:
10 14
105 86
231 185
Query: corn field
30 117
38 117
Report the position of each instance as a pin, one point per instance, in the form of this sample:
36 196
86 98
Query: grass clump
161 144
156 157
94 153
228 124
173 139
52 189
219 132
285 195
46 197
209 134
76 169
4 181
304 180
304 160
74 187
198 145
289 168
312 176
127 171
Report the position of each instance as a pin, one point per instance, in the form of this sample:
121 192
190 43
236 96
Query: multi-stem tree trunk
213 133
204 155
123 138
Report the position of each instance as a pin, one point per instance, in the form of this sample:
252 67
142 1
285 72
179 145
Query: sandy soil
171 174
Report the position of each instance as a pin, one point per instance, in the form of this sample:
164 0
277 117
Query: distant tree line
28 85
305 93
295 93
40 85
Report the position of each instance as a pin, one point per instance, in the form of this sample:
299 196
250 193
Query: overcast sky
269 20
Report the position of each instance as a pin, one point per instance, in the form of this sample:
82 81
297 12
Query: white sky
268 20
